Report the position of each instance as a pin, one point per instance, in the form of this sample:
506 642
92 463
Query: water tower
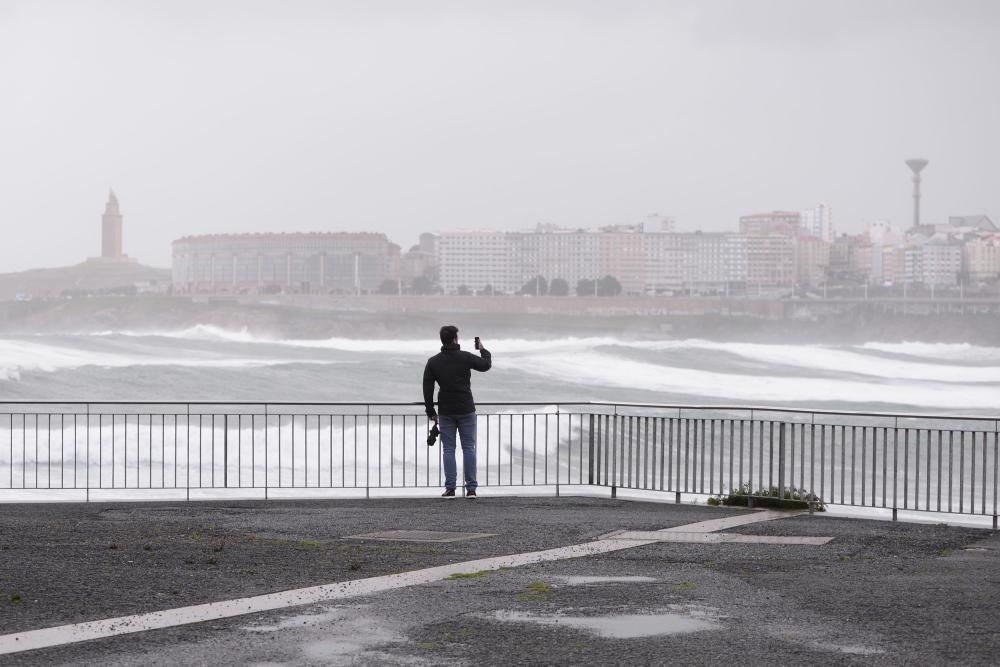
916 165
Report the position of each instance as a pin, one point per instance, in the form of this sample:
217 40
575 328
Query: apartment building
936 261
298 263
981 258
473 260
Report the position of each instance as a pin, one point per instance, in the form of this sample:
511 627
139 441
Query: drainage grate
419 536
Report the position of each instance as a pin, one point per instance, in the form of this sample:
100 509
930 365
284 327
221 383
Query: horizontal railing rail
897 461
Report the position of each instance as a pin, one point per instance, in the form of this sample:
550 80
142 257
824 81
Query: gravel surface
76 562
880 593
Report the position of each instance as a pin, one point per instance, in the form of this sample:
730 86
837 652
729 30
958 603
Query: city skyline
222 117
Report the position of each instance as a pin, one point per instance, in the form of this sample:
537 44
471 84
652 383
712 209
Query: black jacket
450 368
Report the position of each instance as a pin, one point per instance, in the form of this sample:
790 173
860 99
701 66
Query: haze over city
394 117
499 332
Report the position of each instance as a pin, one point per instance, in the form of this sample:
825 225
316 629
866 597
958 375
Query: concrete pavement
879 593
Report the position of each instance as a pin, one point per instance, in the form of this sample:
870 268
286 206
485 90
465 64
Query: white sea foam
946 351
812 357
602 370
930 377
18 356
838 360
207 332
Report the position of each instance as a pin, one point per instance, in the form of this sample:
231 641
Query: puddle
583 581
331 636
851 649
621 626
823 640
300 621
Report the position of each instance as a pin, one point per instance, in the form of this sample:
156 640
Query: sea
211 363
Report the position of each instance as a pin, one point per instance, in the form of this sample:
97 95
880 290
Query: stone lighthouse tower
111 229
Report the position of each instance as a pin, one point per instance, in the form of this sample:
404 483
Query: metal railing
936 463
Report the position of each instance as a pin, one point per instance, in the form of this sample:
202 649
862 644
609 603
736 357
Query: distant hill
92 275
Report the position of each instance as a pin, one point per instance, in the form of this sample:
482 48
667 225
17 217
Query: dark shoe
471 493
448 493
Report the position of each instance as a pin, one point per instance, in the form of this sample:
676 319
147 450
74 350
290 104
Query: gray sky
225 116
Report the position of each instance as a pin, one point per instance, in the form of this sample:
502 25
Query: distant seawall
301 316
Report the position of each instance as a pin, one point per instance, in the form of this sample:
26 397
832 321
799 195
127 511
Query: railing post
225 451
590 458
614 491
781 461
88 455
895 467
267 469
558 442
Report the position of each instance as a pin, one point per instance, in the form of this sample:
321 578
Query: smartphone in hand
477 343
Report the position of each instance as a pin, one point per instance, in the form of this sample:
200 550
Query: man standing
450 368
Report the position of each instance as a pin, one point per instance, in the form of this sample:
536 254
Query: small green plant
211 561
355 565
311 544
536 590
146 547
15 598
467 575
685 586
793 498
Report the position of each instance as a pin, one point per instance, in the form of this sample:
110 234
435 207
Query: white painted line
67 634
78 632
716 538
730 522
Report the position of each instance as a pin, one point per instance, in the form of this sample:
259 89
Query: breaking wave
925 375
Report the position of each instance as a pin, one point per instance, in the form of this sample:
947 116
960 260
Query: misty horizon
259 117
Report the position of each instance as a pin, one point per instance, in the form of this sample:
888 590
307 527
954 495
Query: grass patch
467 575
310 544
536 590
686 586
14 598
793 498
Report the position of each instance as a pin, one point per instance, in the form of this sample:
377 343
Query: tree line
537 286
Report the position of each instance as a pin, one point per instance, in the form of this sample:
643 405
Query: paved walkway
614 586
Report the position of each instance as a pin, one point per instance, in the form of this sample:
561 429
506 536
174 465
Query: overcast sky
402 117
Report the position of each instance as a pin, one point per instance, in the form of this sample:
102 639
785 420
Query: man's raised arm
483 362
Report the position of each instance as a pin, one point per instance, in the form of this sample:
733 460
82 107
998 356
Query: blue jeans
466 427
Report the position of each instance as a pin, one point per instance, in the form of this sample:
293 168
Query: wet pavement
878 593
